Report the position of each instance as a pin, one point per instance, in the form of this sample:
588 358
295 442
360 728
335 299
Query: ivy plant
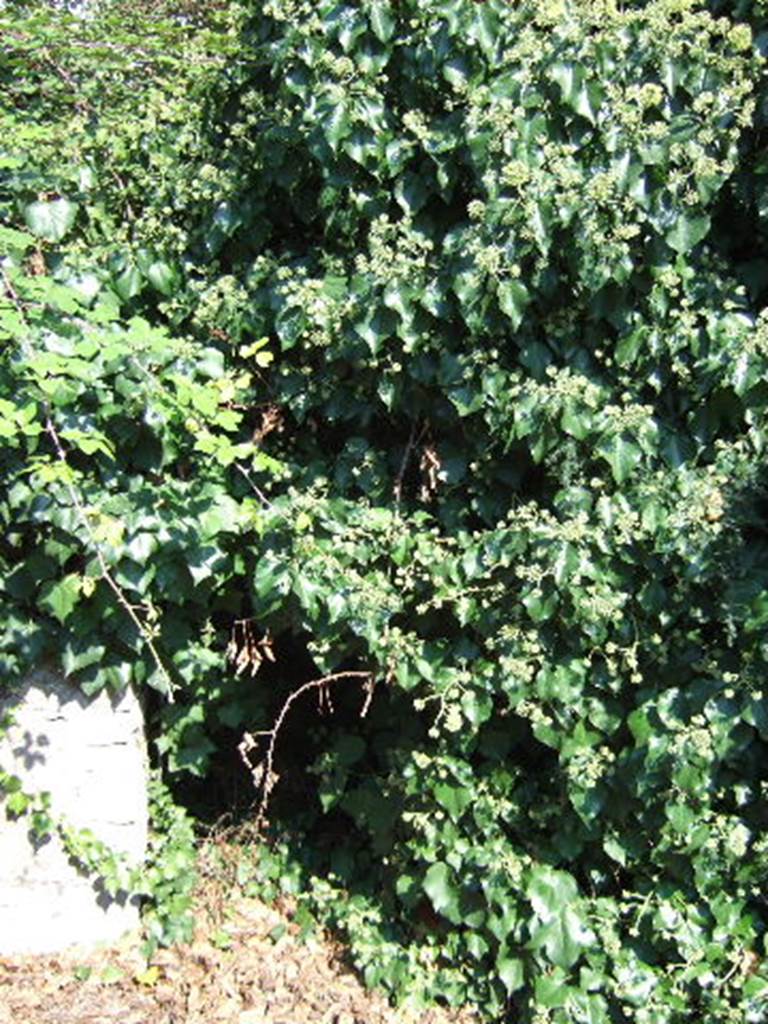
421 367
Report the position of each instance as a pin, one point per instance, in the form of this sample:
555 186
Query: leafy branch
106 574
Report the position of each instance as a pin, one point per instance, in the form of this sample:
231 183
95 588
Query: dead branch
413 440
262 772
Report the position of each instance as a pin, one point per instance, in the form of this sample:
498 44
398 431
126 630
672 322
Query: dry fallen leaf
255 981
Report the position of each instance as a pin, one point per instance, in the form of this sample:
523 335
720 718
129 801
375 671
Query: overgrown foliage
507 459
114 434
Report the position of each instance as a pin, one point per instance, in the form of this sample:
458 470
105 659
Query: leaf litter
247 964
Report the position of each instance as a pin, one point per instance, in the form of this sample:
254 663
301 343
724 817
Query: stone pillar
90 755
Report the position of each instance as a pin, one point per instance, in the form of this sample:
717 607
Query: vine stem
263 772
257 491
106 574
11 291
413 439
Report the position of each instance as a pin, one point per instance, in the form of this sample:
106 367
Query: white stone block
90 755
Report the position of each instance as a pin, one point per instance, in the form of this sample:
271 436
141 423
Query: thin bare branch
263 773
125 604
13 295
413 440
256 490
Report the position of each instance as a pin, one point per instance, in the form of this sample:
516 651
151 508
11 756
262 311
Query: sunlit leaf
51 220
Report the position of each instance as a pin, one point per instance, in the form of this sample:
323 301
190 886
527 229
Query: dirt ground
246 965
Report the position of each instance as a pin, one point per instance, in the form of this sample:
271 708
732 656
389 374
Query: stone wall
90 755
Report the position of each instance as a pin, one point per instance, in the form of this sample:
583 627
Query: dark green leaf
622 455
514 298
61 597
688 231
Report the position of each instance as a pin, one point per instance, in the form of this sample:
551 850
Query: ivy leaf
128 283
688 231
742 375
89 443
550 890
563 938
337 123
77 655
17 803
582 96
676 447
210 363
382 21
86 286
510 970
540 606
565 563
552 989
513 298
456 70
640 726
51 220
439 886
631 345
162 277
621 454
15 242
61 597
575 420
615 850
411 193
486 29
398 296
455 799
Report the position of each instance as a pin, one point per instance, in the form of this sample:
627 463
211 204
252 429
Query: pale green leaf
90 442
550 890
51 220
563 938
439 886
510 970
455 799
382 20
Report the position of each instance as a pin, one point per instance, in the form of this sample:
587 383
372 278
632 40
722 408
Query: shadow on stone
29 752
90 755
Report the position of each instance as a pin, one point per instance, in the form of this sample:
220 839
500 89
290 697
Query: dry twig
412 441
262 772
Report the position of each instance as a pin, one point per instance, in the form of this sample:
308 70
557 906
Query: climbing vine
423 345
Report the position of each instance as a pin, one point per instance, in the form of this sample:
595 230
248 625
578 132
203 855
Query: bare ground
246 965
